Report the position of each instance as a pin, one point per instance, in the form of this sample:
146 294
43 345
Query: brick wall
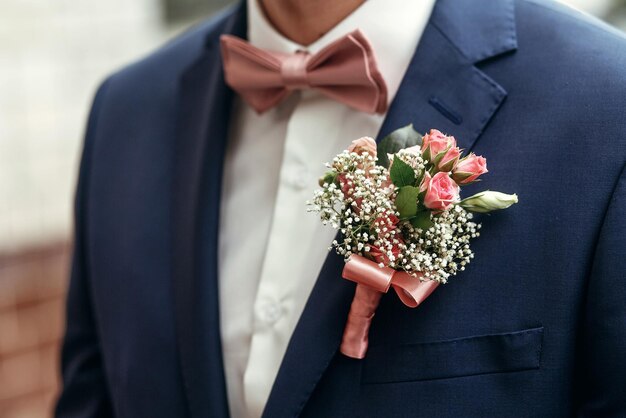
32 293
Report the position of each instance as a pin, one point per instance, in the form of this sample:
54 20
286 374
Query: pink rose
347 188
449 159
358 202
435 142
441 192
424 183
380 256
469 168
346 185
361 145
415 150
389 221
387 186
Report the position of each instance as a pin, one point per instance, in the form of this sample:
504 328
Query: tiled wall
53 54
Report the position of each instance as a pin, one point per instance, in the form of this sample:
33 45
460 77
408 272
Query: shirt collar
393 27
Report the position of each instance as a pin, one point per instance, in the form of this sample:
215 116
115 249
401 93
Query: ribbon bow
372 281
345 71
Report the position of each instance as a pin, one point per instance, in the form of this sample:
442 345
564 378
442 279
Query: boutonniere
402 222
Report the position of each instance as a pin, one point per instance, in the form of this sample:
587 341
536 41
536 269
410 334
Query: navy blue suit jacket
535 327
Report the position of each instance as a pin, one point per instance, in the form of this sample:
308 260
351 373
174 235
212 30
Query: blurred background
53 55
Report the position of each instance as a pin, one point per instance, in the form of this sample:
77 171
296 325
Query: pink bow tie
345 71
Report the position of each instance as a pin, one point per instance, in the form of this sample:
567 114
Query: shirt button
270 312
300 178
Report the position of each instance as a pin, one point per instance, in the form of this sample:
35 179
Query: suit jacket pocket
496 353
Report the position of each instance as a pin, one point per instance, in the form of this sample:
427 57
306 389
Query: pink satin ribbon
345 71
372 281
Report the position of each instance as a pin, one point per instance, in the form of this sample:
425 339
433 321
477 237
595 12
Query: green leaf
399 139
406 201
328 178
422 220
401 173
439 157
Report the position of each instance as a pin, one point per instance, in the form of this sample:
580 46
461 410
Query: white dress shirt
271 249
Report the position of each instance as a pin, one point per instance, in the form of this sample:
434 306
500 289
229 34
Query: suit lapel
442 89
202 129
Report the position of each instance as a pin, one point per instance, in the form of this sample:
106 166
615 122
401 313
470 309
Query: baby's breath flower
360 204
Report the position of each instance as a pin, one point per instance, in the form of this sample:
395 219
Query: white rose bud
487 201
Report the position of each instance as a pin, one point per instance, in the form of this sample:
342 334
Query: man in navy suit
175 306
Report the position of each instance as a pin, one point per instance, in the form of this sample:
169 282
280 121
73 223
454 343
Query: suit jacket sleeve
602 358
85 392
